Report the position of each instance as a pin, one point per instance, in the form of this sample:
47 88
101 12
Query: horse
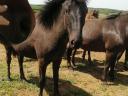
92 14
59 22
89 55
107 35
20 21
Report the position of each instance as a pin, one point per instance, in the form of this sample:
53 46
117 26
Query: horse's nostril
73 42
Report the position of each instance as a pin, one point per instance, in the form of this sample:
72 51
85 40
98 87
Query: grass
84 81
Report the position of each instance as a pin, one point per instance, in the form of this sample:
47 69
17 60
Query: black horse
60 21
21 20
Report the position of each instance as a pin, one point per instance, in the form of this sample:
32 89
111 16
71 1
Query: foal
59 22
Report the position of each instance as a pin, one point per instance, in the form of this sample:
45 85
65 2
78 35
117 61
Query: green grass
84 81
36 8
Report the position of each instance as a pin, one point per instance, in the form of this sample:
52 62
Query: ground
84 81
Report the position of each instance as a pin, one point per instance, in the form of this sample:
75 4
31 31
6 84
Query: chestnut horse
59 21
21 20
92 14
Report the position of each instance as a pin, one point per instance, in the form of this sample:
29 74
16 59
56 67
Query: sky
111 4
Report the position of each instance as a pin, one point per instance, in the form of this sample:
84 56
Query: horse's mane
113 16
50 12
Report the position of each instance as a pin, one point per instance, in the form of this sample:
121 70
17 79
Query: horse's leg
73 58
56 65
126 60
42 73
110 62
8 60
118 57
83 56
89 57
69 52
112 68
20 60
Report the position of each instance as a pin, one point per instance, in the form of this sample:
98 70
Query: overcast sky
112 4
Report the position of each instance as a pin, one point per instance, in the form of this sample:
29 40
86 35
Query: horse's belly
97 46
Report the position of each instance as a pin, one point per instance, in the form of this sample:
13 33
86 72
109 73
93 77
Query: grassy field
84 81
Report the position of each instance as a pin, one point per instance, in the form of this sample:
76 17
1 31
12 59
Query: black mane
113 16
50 12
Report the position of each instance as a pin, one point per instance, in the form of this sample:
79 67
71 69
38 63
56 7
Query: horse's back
92 29
21 20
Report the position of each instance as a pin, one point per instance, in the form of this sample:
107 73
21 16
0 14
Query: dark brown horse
92 14
60 21
21 23
107 35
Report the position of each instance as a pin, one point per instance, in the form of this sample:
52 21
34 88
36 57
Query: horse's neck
59 26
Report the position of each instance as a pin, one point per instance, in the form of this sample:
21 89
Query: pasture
83 81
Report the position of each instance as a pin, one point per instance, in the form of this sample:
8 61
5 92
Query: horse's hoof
83 61
70 68
23 79
9 79
90 63
104 83
56 95
111 83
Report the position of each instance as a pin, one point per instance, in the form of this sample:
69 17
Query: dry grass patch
84 81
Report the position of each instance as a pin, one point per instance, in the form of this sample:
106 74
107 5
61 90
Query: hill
101 10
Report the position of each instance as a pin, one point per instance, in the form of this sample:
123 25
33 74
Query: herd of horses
60 22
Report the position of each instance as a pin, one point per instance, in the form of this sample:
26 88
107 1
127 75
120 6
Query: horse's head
74 14
96 13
